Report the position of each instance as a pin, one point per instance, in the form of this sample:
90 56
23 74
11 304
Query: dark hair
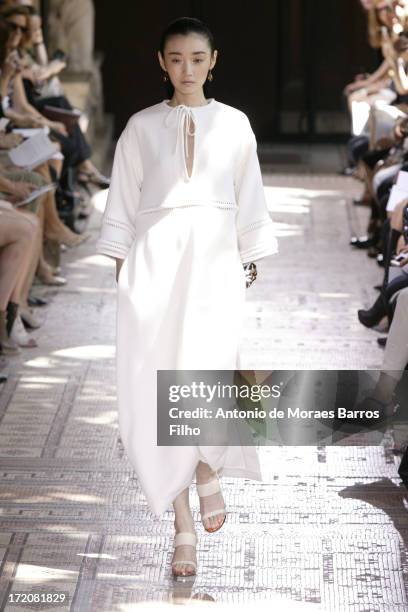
5 32
185 26
15 9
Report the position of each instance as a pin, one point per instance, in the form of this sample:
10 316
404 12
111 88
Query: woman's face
18 25
187 60
385 12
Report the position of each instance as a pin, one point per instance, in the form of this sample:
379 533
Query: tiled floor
327 529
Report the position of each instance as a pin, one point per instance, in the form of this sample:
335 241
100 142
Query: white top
150 172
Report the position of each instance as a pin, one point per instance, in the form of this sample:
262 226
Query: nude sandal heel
184 538
204 490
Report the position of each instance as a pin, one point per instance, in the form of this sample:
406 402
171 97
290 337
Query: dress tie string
182 117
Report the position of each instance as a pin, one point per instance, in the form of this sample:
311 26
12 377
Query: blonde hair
375 26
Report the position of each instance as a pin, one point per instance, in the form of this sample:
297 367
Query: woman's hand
27 121
20 191
35 23
403 251
59 127
9 141
56 66
11 66
351 87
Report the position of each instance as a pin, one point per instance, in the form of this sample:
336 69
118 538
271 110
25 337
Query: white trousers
361 105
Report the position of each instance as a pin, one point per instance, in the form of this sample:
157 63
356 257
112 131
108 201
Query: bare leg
54 228
210 503
57 165
29 277
183 523
16 235
30 256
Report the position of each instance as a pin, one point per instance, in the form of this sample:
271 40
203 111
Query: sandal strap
212 513
185 538
209 488
185 562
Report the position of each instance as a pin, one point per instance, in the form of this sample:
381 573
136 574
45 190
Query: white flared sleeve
255 228
118 222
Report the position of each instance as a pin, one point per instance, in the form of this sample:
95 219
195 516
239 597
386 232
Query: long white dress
181 288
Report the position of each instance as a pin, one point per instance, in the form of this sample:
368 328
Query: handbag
68 117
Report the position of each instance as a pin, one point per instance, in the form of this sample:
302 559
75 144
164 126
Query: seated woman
388 156
74 146
10 83
380 308
377 102
19 237
393 367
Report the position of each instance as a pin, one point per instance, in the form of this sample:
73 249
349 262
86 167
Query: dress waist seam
190 204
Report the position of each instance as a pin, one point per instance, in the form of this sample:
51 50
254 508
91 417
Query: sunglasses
15 27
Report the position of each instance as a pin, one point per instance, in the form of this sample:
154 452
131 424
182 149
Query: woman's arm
43 73
375 78
17 191
378 75
22 105
37 40
20 102
21 120
401 77
119 221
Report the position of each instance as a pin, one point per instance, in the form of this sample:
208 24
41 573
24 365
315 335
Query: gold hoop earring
210 76
165 79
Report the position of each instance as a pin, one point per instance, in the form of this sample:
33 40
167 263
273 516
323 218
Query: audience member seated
19 239
75 148
24 227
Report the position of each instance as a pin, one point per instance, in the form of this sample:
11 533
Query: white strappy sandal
184 538
204 490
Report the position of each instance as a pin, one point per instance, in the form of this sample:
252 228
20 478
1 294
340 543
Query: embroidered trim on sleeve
253 226
119 225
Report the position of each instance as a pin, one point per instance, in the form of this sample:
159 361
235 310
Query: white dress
181 288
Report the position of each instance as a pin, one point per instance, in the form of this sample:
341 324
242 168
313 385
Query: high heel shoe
36 301
28 319
361 242
79 239
205 490
20 336
96 178
51 280
184 538
7 345
69 241
373 315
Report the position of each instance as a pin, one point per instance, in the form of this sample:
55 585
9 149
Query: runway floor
327 529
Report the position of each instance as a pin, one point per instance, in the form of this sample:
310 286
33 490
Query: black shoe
361 202
382 341
374 252
378 287
36 301
373 315
349 171
361 242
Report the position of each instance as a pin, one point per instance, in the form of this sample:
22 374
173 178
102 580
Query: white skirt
180 306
